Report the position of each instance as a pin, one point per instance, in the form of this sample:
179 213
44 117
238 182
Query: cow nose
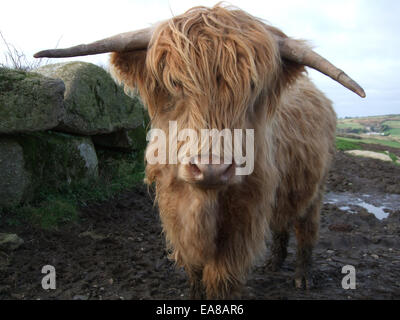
212 174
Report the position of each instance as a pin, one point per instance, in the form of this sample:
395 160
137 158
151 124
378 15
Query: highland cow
221 68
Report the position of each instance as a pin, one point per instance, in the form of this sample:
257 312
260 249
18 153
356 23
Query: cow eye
176 84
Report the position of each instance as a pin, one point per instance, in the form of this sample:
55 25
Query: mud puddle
377 204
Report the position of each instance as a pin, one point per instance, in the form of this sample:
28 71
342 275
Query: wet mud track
117 250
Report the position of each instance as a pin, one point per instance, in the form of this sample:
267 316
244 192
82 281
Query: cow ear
290 72
129 68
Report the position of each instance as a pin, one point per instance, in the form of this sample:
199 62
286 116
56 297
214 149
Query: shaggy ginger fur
221 68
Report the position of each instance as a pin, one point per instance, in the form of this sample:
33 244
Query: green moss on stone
55 159
14 178
94 103
29 102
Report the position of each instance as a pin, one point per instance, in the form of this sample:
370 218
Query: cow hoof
303 281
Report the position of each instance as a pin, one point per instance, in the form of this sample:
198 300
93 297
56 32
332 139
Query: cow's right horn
295 51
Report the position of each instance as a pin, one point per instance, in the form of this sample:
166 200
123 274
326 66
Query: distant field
383 130
352 125
343 143
394 131
392 124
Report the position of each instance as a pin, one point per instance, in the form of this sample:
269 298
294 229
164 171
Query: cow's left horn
127 41
294 50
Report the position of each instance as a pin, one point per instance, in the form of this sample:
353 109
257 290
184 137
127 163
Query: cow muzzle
213 174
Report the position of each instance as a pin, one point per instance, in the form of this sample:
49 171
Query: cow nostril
228 173
208 175
194 169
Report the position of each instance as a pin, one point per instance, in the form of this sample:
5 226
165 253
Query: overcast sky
359 36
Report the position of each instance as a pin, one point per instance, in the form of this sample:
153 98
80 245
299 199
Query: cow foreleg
306 229
219 283
197 291
278 248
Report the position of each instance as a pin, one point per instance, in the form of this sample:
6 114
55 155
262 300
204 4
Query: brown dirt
117 250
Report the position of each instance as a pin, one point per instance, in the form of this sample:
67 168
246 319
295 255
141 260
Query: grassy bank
344 144
359 142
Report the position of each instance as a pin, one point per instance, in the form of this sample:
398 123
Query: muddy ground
117 250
